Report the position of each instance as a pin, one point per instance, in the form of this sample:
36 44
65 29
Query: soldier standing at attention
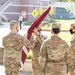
55 54
13 44
72 46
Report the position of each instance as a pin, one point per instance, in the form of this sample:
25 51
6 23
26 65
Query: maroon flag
36 24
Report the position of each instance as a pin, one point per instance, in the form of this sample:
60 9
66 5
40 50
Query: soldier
13 44
55 54
36 41
72 46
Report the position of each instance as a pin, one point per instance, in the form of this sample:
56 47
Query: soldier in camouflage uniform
13 44
36 41
72 46
55 54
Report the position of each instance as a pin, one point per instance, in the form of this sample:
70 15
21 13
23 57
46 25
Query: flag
23 56
36 24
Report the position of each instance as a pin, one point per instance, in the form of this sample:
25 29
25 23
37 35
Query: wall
19 9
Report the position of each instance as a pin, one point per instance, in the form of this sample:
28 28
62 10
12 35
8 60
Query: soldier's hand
35 30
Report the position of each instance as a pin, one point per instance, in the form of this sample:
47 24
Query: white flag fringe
25 52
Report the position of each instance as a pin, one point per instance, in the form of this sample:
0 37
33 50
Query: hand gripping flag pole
36 24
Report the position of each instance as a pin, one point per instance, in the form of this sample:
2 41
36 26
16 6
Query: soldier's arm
72 48
37 35
26 43
43 56
32 41
3 42
39 38
68 58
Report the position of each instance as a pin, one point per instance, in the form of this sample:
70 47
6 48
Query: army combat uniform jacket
13 44
72 46
55 57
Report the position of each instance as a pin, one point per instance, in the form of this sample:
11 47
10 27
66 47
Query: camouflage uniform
13 44
55 56
36 42
72 46
73 55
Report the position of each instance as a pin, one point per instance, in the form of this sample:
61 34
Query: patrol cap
56 25
13 23
73 25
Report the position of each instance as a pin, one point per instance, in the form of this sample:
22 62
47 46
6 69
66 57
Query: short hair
56 30
13 23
